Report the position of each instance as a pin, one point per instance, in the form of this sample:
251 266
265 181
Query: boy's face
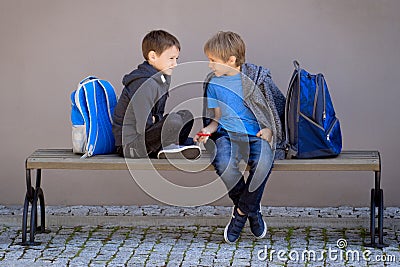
165 62
220 67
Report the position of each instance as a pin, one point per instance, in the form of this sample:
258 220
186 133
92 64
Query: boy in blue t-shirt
241 131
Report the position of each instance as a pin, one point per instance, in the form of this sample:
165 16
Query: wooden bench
64 159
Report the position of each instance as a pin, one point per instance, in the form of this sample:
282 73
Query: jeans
231 148
173 128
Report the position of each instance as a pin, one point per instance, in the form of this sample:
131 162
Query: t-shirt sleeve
211 97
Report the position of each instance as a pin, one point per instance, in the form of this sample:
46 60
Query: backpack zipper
311 121
315 98
323 96
330 129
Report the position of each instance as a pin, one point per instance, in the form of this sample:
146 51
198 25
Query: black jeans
173 128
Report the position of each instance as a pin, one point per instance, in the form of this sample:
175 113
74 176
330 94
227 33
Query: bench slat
65 159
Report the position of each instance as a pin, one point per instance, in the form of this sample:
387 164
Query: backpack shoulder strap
111 97
88 78
296 74
80 102
89 91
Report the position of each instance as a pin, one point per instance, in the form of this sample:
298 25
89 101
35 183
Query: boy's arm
211 128
143 101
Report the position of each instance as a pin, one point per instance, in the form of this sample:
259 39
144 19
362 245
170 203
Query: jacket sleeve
143 101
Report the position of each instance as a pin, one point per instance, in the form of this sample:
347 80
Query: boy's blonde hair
226 44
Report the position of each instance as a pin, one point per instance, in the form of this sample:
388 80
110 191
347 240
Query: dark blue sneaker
235 226
257 225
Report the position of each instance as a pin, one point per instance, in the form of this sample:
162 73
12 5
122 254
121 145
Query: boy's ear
152 55
232 60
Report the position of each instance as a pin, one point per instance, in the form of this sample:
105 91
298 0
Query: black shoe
257 225
235 226
180 152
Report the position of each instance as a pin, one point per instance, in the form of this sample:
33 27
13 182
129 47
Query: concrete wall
46 47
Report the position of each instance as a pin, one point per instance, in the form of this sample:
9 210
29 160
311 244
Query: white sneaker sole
263 233
265 228
226 235
186 152
226 229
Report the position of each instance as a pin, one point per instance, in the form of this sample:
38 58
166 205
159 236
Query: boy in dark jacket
140 127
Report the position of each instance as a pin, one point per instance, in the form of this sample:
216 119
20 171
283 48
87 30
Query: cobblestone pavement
197 245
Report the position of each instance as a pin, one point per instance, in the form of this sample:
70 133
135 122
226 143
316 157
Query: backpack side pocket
78 139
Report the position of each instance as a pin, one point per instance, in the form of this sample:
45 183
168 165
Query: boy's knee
174 121
226 169
264 156
221 164
262 166
186 115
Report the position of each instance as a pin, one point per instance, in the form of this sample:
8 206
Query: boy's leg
188 120
260 163
226 163
171 129
162 133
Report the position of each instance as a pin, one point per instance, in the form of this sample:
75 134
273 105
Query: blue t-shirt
226 92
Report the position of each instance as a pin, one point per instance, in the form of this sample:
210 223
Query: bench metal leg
33 195
380 221
33 227
376 203
28 199
372 219
25 220
40 197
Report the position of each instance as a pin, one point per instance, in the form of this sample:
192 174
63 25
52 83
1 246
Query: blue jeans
231 148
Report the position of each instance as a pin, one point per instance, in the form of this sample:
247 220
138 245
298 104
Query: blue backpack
93 106
312 129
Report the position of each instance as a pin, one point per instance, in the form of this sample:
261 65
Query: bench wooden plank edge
65 159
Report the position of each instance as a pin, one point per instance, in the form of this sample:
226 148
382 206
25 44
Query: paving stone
171 211
58 210
116 211
79 211
150 210
133 211
97 210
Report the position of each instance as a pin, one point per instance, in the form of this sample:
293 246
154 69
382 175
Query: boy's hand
265 134
202 136
204 133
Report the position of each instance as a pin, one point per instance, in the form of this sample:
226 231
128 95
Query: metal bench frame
65 159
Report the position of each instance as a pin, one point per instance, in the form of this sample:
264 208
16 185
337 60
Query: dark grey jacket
144 96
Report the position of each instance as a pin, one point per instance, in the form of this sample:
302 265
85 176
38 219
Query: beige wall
47 46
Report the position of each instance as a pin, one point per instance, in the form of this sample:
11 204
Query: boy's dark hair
158 41
226 44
